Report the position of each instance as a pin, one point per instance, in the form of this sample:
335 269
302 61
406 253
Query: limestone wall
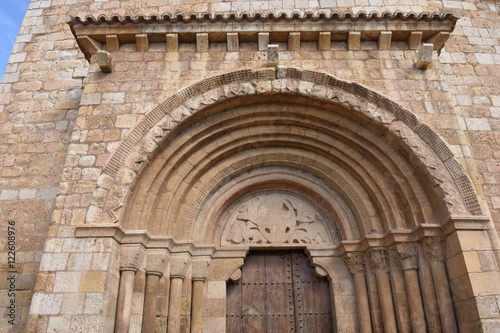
61 118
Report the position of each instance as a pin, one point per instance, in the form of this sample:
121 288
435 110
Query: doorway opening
278 292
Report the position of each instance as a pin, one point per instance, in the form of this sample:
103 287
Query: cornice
260 16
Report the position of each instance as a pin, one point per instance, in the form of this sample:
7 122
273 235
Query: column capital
156 261
179 265
379 259
355 262
200 268
434 248
131 257
406 255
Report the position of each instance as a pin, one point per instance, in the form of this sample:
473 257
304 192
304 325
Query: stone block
354 41
263 41
384 40
67 281
93 281
172 42
324 41
216 289
202 42
424 56
59 324
104 61
294 41
272 55
233 44
73 303
50 304
414 40
142 42
112 43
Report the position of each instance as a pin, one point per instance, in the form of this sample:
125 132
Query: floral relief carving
275 219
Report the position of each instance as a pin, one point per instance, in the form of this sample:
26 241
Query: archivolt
378 157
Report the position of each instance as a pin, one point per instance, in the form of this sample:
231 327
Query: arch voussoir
151 133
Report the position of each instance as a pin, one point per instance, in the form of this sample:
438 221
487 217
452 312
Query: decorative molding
143 140
275 219
101 30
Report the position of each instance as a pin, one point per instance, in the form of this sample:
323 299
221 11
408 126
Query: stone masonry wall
58 124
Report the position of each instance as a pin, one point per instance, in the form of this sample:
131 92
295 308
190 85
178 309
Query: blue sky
11 16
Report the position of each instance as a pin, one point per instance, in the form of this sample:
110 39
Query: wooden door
278 292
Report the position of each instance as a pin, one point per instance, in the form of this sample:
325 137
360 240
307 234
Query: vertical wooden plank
253 294
277 313
233 307
305 318
323 307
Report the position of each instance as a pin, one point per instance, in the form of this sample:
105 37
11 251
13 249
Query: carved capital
434 248
156 261
355 262
200 268
406 255
379 259
179 265
131 257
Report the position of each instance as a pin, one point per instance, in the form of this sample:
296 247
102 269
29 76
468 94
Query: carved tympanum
275 219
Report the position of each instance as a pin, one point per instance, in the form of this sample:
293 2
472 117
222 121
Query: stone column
131 257
379 260
179 265
200 268
376 312
406 255
434 248
156 263
356 263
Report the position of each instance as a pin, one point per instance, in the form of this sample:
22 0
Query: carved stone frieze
275 219
355 262
434 249
406 255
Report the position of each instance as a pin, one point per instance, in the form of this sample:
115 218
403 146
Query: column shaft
197 307
365 324
149 317
444 297
386 303
124 301
174 307
415 301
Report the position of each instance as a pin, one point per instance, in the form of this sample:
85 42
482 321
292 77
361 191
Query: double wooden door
278 292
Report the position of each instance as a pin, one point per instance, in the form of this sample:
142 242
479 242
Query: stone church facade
252 166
